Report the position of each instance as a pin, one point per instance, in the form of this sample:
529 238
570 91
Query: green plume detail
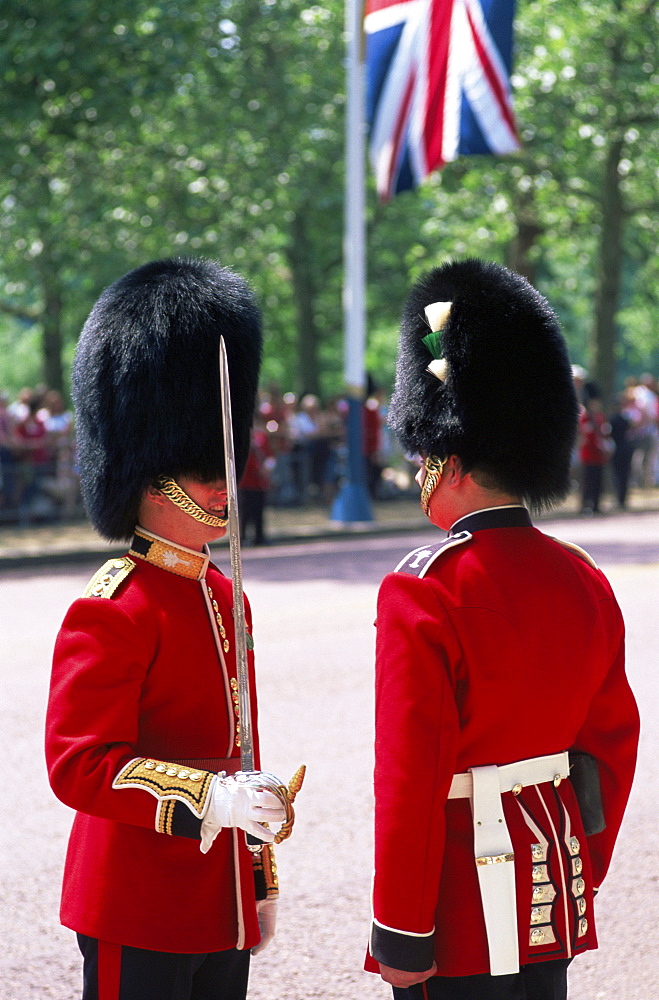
433 341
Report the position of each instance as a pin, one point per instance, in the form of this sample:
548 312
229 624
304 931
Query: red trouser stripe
109 970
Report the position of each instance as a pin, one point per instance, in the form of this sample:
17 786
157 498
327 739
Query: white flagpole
353 503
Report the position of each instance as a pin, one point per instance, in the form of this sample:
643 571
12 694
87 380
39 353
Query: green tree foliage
576 208
83 92
145 129
593 76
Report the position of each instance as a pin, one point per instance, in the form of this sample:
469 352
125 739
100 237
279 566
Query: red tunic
256 476
144 674
509 647
595 437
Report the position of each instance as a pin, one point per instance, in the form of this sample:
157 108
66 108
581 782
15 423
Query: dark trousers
621 466
592 487
540 981
116 972
252 506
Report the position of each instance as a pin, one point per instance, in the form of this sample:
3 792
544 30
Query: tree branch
645 119
30 315
648 206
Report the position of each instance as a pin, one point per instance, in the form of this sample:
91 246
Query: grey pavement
313 601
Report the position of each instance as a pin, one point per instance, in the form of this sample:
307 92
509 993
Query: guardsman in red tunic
142 733
506 730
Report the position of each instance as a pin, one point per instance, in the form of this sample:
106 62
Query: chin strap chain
171 489
434 468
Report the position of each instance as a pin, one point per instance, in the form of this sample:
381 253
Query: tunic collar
506 516
167 555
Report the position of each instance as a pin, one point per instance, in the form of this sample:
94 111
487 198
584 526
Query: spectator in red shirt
34 455
255 483
595 447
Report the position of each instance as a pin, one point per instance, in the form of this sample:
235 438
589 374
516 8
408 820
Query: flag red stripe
373 5
495 83
399 133
437 62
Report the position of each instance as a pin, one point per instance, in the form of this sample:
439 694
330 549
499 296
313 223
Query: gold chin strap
434 468
173 492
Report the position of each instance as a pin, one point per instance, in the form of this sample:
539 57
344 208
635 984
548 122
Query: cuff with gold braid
183 793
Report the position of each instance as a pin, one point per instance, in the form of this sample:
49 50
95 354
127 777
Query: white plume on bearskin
499 392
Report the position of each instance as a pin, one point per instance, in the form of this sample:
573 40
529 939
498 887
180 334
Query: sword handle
286 797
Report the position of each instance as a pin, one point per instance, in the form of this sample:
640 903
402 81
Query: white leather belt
493 849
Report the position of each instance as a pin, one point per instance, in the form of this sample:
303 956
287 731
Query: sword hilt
288 797
269 783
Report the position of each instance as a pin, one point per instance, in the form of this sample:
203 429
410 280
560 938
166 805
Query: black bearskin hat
502 399
146 383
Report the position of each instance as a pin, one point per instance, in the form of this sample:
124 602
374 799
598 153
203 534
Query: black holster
585 777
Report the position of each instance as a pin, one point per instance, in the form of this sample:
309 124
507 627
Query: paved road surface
313 606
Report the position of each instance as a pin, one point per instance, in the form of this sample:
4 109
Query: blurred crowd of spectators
299 452
619 448
38 479
299 449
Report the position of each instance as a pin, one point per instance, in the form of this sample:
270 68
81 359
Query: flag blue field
437 85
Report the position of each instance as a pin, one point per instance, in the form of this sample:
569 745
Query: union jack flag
437 85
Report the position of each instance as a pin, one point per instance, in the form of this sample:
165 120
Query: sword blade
240 626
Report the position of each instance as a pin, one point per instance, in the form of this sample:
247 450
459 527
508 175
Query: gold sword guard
287 796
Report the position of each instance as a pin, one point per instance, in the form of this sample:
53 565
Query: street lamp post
353 503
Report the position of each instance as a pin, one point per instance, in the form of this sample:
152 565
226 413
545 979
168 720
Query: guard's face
194 516
191 513
211 497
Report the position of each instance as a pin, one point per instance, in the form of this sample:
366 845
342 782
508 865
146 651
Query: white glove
235 803
266 910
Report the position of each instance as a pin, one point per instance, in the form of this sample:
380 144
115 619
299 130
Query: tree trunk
51 329
299 258
604 332
519 256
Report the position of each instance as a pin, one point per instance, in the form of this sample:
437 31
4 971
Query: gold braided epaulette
106 580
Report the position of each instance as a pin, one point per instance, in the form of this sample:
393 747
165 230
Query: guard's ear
153 495
453 471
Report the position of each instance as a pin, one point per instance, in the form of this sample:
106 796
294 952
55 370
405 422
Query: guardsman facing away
501 693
